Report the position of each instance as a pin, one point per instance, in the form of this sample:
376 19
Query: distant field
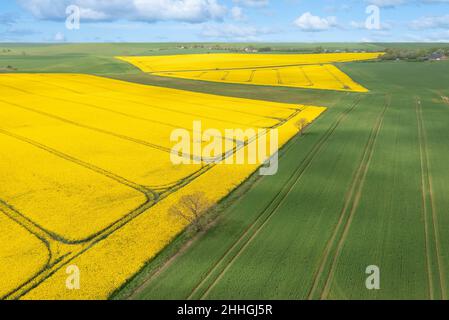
215 62
313 71
99 58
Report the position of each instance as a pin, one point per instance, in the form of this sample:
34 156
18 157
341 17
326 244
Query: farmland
218 61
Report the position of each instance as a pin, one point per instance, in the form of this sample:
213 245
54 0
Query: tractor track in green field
430 216
219 268
352 201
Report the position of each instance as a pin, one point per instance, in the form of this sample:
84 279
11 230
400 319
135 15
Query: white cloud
235 32
387 3
362 25
366 40
395 3
194 11
237 14
7 19
309 22
13 34
59 37
433 37
252 3
433 22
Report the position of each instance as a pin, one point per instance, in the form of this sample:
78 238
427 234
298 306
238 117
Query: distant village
435 54
265 49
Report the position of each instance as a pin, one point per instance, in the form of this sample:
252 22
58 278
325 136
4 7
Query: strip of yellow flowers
112 261
312 71
223 61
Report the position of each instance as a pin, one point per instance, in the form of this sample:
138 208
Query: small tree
301 124
191 208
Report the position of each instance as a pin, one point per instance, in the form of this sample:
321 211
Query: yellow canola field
226 61
313 71
83 171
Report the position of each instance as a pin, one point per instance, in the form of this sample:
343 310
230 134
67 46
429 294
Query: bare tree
190 208
301 124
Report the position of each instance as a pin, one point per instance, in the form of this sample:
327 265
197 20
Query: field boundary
343 85
174 248
186 243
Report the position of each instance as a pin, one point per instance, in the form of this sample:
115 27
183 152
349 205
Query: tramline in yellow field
86 176
290 70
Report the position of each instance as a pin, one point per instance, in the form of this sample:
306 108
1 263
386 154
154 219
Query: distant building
437 56
250 50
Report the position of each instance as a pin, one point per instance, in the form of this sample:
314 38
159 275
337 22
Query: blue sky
224 20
